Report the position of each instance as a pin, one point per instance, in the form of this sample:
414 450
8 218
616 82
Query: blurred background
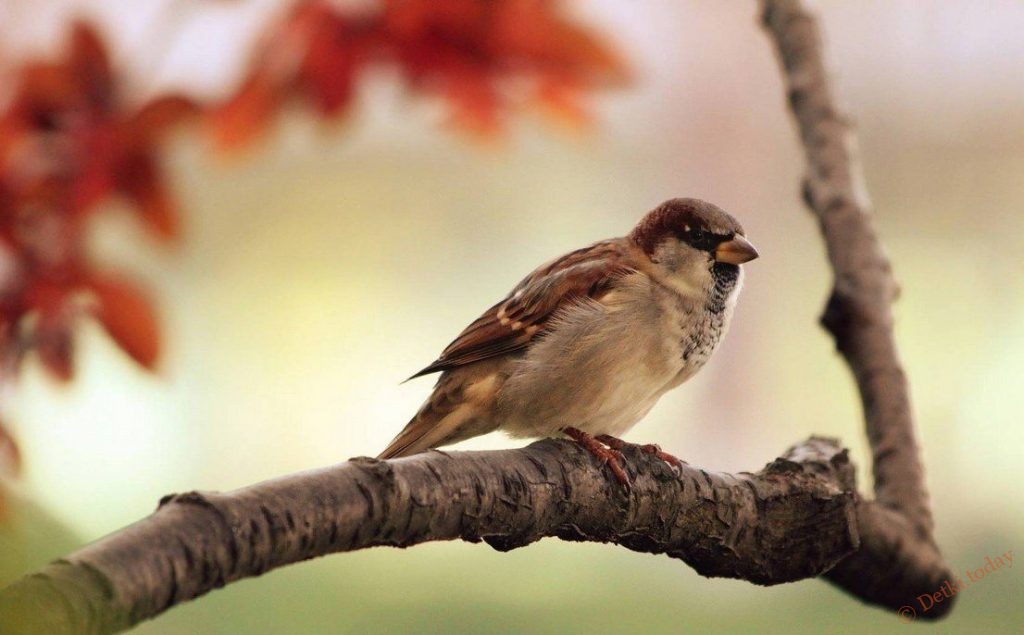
326 264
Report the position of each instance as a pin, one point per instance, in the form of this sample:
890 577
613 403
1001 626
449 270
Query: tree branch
858 312
794 519
859 317
799 517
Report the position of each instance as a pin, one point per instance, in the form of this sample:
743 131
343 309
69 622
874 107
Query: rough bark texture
794 519
799 517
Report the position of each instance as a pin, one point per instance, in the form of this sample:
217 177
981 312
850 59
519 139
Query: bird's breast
700 323
699 334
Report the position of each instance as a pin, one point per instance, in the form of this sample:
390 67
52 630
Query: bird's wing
524 314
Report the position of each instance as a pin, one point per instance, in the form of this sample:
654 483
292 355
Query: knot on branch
841 316
850 313
186 498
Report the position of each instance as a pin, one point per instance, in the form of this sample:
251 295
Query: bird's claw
648 448
605 453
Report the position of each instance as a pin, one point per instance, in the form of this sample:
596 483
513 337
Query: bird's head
696 244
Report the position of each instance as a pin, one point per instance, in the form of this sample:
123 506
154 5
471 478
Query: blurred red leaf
530 29
479 55
475 104
245 115
337 47
127 315
67 143
66 119
95 161
141 181
315 54
472 52
149 123
563 102
88 64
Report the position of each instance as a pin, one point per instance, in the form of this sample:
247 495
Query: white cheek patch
688 279
688 272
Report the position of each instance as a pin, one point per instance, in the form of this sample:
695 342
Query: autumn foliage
67 143
71 140
481 57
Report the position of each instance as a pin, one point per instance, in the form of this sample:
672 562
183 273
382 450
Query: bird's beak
736 251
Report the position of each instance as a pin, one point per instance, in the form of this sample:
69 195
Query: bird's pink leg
608 455
649 448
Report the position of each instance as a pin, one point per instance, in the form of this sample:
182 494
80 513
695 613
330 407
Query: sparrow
587 343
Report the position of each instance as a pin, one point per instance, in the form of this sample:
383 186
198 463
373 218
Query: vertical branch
858 312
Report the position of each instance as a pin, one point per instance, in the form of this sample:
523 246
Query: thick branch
794 519
859 317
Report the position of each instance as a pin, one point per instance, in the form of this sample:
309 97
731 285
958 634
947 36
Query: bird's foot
607 455
648 448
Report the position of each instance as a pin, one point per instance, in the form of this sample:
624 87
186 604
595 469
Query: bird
587 343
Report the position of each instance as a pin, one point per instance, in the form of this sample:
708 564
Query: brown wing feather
524 314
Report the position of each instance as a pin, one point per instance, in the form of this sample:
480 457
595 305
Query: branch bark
794 519
859 317
858 312
799 517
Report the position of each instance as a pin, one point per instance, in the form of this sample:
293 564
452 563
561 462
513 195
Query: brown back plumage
525 312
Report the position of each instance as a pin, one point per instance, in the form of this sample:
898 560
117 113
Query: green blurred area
324 268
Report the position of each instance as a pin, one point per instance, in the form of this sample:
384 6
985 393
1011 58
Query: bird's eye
700 238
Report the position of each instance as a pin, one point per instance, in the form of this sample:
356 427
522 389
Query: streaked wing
525 313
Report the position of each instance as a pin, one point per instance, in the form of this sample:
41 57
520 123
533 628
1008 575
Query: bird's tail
457 410
419 435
